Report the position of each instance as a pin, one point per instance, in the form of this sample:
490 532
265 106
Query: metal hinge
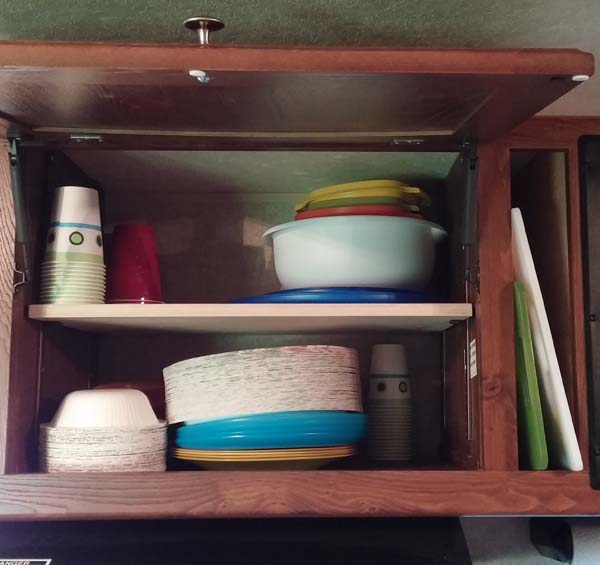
21 268
86 137
472 274
469 232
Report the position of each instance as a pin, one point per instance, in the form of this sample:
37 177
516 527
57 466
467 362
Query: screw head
197 22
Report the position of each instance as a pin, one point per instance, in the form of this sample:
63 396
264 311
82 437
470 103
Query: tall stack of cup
390 410
73 270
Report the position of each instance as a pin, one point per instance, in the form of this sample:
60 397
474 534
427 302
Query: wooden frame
497 489
495 313
245 494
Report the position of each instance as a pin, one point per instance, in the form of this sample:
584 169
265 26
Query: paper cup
74 244
76 206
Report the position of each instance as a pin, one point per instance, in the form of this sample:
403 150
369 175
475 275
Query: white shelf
252 318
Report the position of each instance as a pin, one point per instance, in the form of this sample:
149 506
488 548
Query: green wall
468 23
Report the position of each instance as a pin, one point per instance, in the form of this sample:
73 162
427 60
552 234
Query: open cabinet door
281 95
7 264
589 156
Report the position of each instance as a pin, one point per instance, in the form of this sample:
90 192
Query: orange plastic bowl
373 210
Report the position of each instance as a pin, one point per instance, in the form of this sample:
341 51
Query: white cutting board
562 441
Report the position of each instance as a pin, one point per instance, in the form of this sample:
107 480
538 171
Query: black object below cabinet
418 541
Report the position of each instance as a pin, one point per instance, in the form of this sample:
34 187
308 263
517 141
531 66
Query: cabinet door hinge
469 231
21 267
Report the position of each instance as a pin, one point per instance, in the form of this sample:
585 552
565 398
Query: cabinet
183 153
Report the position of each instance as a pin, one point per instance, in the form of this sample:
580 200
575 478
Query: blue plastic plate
338 295
315 428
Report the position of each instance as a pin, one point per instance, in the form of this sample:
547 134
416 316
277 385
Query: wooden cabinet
211 163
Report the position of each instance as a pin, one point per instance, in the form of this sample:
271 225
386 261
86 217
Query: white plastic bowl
105 408
364 251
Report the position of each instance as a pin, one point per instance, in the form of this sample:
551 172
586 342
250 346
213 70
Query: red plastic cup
133 271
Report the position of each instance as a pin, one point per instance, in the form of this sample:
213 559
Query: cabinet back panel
210 209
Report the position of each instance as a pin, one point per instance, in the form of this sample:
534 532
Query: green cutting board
533 450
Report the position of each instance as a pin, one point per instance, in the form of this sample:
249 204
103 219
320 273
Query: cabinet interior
209 210
540 188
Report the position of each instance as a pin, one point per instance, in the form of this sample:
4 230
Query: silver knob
204 26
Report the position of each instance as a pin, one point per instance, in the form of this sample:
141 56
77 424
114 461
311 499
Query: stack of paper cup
390 411
73 270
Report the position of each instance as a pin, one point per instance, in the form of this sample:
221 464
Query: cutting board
563 447
533 451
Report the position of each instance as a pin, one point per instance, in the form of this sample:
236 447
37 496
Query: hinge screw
593 317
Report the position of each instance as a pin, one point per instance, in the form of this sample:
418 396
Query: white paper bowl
108 408
361 251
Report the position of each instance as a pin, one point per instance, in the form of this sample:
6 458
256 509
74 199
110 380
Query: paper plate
302 429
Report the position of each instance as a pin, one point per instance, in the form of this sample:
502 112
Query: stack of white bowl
103 430
256 381
390 407
73 270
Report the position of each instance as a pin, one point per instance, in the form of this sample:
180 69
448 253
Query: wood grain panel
219 494
448 93
552 132
7 250
495 311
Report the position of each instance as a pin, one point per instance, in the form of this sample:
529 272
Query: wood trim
294 59
7 261
252 318
242 494
552 132
495 312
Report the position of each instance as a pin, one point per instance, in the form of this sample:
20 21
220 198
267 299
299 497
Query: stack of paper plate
281 379
103 430
101 449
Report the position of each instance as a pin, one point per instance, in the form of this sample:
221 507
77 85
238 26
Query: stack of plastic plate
256 381
338 295
305 439
265 458
365 198
285 407
103 430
